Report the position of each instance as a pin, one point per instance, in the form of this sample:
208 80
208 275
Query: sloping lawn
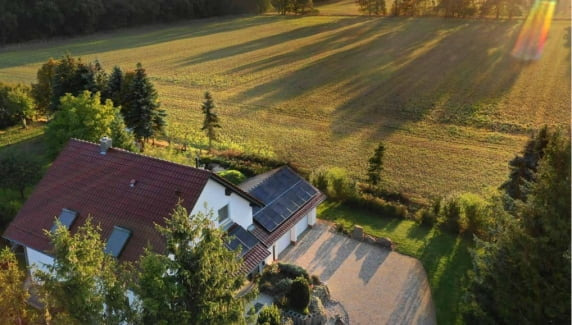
445 256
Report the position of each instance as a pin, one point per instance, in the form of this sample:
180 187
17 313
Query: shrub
315 280
451 215
282 287
299 295
233 176
269 315
293 271
335 183
425 216
378 205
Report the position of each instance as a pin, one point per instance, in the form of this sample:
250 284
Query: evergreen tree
13 295
523 167
522 275
200 275
113 88
376 165
211 122
142 113
84 285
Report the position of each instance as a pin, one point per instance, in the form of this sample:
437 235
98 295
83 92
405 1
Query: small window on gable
66 218
117 240
223 214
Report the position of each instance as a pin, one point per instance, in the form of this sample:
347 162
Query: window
117 240
67 217
223 214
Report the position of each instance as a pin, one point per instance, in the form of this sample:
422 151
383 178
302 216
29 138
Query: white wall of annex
38 260
213 195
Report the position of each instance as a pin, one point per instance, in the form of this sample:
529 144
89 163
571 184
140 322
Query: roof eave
235 189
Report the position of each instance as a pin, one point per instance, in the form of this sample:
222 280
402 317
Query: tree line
41 19
446 8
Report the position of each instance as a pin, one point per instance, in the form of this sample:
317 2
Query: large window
223 214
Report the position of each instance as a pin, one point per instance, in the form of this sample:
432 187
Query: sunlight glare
534 32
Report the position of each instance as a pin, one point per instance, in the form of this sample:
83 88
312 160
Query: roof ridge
146 156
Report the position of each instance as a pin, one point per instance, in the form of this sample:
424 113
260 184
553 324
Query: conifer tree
211 122
113 88
142 113
200 275
522 274
376 165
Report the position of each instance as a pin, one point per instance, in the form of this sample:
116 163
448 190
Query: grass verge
445 256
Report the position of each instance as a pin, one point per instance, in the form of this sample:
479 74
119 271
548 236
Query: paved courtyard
375 285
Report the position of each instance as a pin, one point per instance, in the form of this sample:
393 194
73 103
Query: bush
282 287
335 183
293 271
233 176
315 280
378 205
269 315
299 295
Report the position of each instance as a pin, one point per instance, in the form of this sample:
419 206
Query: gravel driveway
376 286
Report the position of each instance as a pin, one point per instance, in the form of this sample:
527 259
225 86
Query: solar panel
66 218
117 240
242 238
283 193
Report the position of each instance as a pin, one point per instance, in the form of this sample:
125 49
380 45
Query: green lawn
445 95
31 141
445 257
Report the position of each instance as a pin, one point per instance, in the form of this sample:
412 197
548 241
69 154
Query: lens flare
534 32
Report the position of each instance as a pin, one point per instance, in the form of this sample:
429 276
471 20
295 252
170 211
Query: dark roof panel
66 218
117 240
284 192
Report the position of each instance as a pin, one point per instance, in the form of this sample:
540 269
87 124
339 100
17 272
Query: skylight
117 241
66 218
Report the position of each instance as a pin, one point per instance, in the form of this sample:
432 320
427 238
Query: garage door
282 243
301 225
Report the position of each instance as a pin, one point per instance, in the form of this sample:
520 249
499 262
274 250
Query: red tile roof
83 180
253 257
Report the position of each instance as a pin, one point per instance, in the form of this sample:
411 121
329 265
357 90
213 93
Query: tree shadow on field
446 260
391 71
456 80
266 42
33 52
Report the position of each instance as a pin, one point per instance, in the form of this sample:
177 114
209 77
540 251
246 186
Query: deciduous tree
14 296
19 170
84 285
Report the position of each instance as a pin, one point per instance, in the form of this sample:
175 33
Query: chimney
104 145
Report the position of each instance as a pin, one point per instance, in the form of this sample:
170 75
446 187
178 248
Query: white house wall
213 195
38 260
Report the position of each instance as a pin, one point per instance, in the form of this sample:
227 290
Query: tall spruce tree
142 113
195 281
376 165
523 167
522 275
211 121
113 88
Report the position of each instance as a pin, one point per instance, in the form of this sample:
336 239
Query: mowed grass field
445 95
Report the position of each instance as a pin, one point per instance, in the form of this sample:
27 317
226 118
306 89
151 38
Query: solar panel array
242 238
66 218
283 193
117 241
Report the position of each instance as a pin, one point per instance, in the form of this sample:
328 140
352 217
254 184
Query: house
127 193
